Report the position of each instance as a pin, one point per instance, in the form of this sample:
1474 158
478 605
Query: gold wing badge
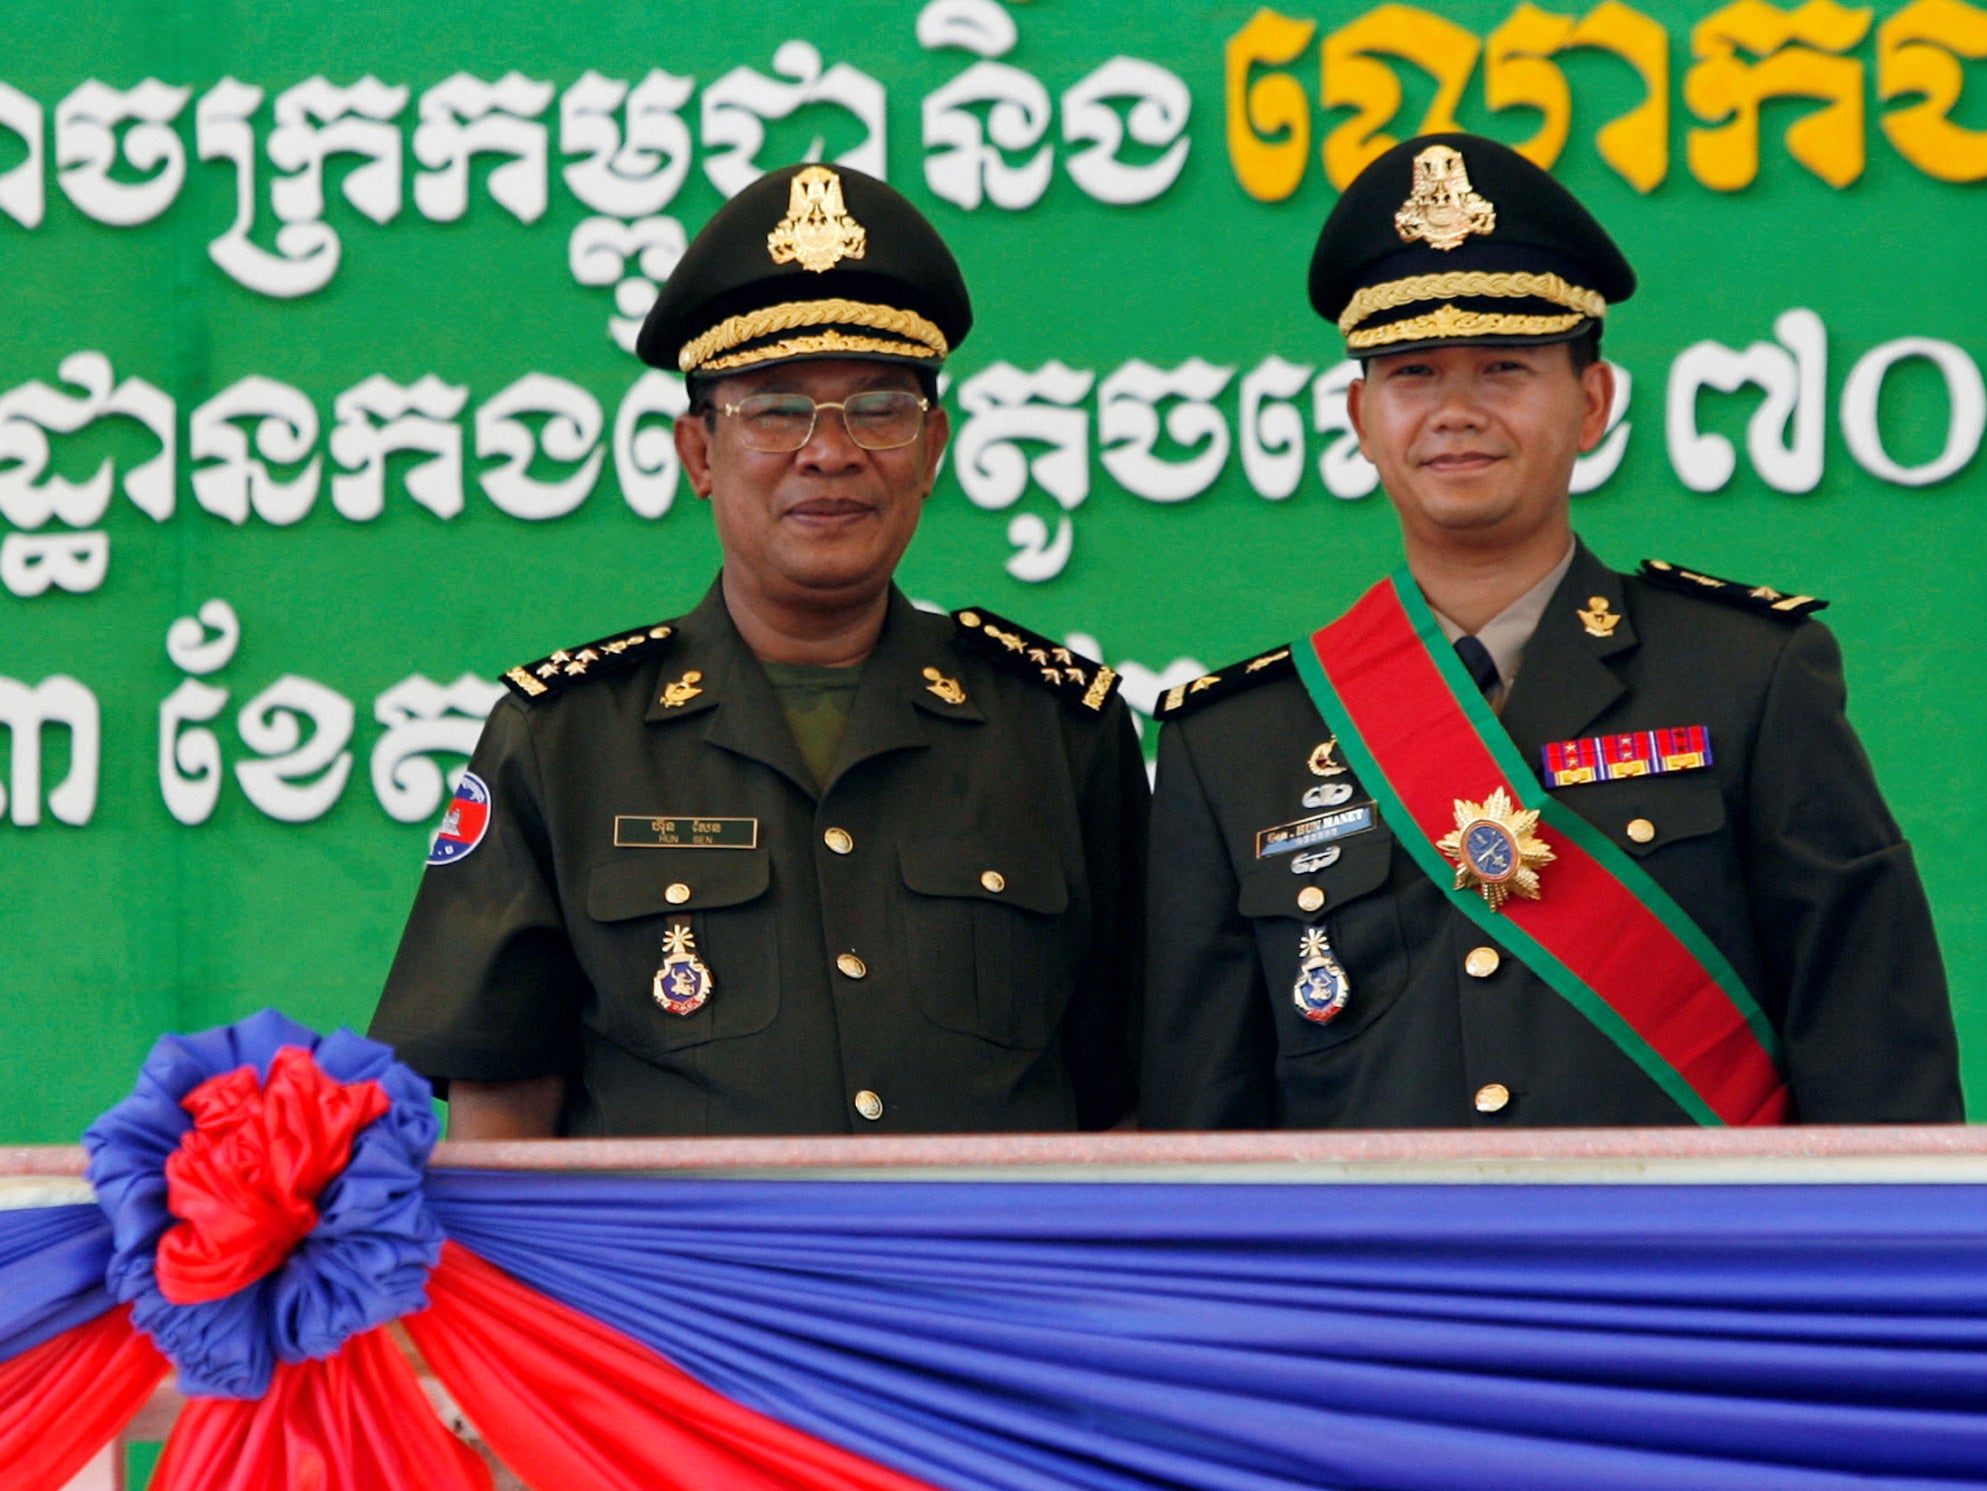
817 231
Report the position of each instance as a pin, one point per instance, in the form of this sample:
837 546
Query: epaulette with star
1081 682
1185 698
1763 599
568 666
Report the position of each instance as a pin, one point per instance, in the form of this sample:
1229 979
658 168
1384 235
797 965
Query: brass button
1491 1097
1310 898
1641 830
1482 962
677 894
869 1105
993 880
851 966
838 840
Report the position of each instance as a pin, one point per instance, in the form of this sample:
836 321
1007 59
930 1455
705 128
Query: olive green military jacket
947 937
1782 851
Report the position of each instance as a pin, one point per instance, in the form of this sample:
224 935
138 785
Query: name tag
1286 838
686 833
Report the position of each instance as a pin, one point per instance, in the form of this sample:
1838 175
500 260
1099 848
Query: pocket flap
1643 814
653 882
1269 888
1022 874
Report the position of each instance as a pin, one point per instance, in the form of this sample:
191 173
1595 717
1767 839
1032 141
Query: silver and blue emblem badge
1322 987
682 983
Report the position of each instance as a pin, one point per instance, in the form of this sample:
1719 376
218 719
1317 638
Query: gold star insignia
1494 849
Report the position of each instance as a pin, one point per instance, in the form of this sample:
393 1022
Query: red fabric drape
245 1176
64 1400
356 1421
566 1401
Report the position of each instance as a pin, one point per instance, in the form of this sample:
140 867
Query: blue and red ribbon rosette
263 1192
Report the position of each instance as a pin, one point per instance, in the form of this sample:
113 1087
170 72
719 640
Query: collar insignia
1597 618
817 230
1443 210
946 688
682 691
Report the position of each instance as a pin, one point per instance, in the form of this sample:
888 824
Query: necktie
1476 657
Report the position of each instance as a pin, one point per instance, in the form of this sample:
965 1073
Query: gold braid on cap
1446 321
1469 282
813 346
792 315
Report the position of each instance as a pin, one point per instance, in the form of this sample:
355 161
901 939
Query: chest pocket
1359 914
1645 815
724 893
990 952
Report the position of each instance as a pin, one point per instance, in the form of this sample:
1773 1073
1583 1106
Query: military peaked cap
1455 240
809 261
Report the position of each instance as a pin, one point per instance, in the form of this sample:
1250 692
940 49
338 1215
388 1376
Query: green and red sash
1416 729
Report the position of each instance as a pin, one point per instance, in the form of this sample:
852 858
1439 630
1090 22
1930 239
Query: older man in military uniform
1518 839
807 859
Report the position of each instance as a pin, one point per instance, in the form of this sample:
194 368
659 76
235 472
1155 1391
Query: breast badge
1494 849
682 984
1322 987
1328 795
1322 762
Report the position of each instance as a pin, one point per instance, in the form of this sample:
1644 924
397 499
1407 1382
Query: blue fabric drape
991 1336
52 1261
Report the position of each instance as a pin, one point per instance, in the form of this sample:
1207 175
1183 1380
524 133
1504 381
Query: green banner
317 410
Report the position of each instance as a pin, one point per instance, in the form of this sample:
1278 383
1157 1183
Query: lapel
1568 676
744 714
895 688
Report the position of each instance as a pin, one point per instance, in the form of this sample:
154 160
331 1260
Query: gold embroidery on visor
1447 321
791 315
827 341
1456 284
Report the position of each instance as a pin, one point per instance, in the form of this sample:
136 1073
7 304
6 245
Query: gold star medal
1494 849
683 983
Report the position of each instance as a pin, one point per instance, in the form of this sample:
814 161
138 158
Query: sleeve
485 985
1839 911
1209 1049
1098 1033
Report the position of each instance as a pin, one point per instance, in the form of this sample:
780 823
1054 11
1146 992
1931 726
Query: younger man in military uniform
806 860
1520 840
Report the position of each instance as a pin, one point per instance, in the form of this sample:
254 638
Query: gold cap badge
817 230
1442 210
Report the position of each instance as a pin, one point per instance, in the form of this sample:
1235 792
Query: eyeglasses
877 419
